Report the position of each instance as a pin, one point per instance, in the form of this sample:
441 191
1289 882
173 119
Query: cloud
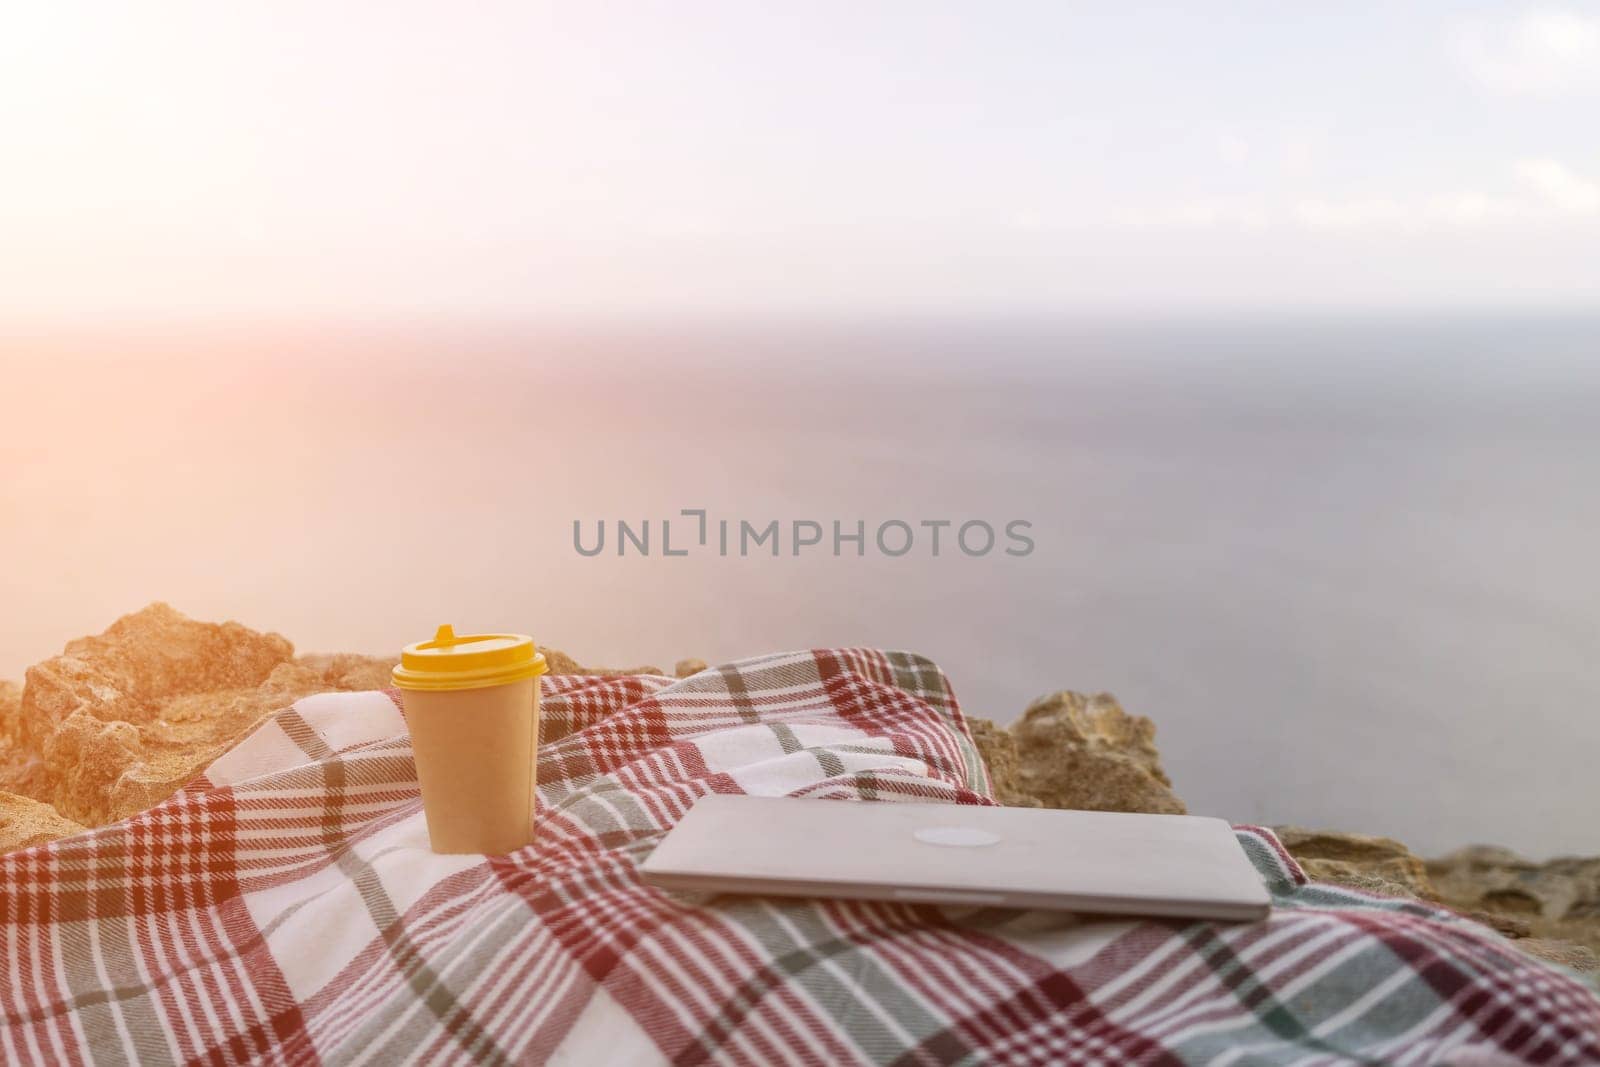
1195 213
1559 188
1543 53
1233 150
1346 214
1535 193
1547 192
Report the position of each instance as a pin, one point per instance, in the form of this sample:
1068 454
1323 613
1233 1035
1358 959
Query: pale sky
517 159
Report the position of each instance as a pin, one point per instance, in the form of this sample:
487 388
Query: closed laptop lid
1091 861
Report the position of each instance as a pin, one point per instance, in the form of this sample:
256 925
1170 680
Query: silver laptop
1088 861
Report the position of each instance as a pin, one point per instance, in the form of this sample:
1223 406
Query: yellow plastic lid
471 661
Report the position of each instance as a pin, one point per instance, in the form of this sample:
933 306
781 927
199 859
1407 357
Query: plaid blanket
285 908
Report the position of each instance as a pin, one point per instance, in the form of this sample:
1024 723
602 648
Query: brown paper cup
475 751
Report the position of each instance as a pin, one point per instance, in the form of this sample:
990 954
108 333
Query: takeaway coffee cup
472 706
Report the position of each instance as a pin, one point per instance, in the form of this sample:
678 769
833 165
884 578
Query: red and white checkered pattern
286 908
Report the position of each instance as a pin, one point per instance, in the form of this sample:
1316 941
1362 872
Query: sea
1349 566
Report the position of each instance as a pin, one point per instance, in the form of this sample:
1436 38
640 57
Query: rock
1361 861
25 822
561 663
999 751
1077 751
10 711
1542 907
144 659
1559 901
193 730
1580 958
16 761
1337 872
120 721
1481 857
1511 900
685 668
196 728
1504 881
1505 925
350 672
87 756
